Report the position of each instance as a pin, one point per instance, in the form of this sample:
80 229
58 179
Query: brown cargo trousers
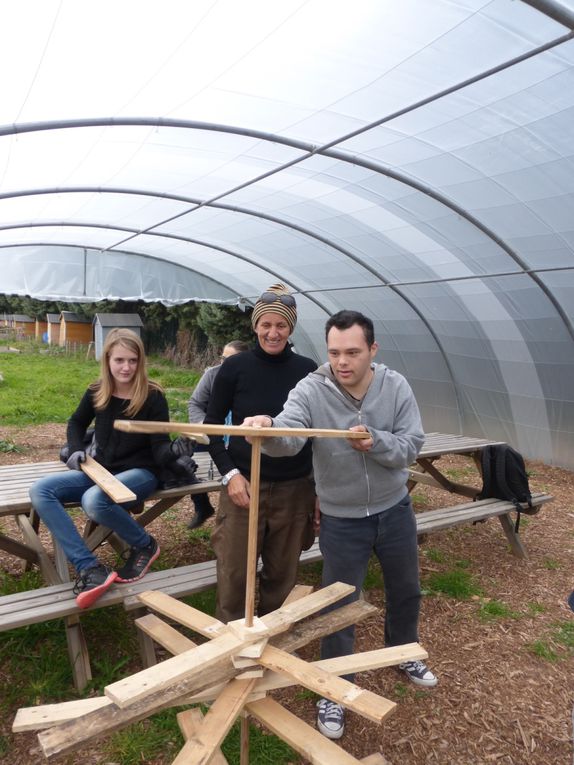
284 511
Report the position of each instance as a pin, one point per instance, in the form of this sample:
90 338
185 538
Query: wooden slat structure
197 668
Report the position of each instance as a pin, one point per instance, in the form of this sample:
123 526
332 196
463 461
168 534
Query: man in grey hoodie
360 483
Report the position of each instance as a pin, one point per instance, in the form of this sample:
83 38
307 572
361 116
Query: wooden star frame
240 662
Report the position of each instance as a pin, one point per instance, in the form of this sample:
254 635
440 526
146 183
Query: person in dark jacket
122 392
260 380
196 408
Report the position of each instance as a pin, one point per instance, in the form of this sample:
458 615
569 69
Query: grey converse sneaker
330 718
419 673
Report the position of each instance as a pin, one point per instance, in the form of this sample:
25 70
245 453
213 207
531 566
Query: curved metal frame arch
177 237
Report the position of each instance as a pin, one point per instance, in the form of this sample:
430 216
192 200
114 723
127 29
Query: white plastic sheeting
410 159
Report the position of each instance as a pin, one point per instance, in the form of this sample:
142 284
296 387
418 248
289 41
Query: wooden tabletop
437 444
15 480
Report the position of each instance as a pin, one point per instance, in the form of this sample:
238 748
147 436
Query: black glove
184 466
75 459
182 447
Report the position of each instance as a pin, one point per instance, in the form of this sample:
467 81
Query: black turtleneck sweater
255 382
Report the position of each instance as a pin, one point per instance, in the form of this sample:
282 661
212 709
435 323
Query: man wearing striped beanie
260 380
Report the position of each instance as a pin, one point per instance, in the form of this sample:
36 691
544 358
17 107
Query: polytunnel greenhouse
413 160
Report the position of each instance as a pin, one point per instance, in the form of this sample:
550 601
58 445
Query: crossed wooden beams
234 669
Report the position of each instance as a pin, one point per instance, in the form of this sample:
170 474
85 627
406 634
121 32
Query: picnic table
56 600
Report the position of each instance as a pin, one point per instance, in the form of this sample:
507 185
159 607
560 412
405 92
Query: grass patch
564 634
434 555
557 645
495 609
536 608
146 740
9 447
45 387
374 576
543 650
456 583
550 564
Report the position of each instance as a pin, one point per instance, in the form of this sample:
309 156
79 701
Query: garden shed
23 325
75 330
104 322
53 328
40 330
412 160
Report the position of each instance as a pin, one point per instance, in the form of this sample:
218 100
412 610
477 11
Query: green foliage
536 608
8 447
264 748
495 609
551 564
456 583
223 323
543 650
146 740
436 556
43 387
374 576
564 633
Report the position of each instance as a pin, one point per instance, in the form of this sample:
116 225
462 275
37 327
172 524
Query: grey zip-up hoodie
352 484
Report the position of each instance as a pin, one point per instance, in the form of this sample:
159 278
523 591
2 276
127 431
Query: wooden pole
254 482
244 740
194 428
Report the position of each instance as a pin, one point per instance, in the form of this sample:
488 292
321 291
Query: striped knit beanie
276 299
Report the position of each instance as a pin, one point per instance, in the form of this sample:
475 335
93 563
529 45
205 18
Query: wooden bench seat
431 521
58 601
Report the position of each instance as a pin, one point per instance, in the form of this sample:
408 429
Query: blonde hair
141 384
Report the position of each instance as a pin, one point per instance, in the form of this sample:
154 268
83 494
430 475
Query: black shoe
91 583
138 562
199 517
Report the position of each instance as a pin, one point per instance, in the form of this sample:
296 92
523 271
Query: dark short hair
238 345
348 319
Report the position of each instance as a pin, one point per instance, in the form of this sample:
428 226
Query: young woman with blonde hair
123 391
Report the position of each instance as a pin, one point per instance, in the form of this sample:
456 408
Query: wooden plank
514 540
47 715
311 744
147 426
365 703
283 617
187 666
186 615
33 540
164 634
298 592
200 749
189 723
14 547
106 481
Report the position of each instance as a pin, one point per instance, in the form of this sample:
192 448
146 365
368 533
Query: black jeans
347 544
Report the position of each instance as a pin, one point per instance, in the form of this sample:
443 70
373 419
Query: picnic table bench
57 600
